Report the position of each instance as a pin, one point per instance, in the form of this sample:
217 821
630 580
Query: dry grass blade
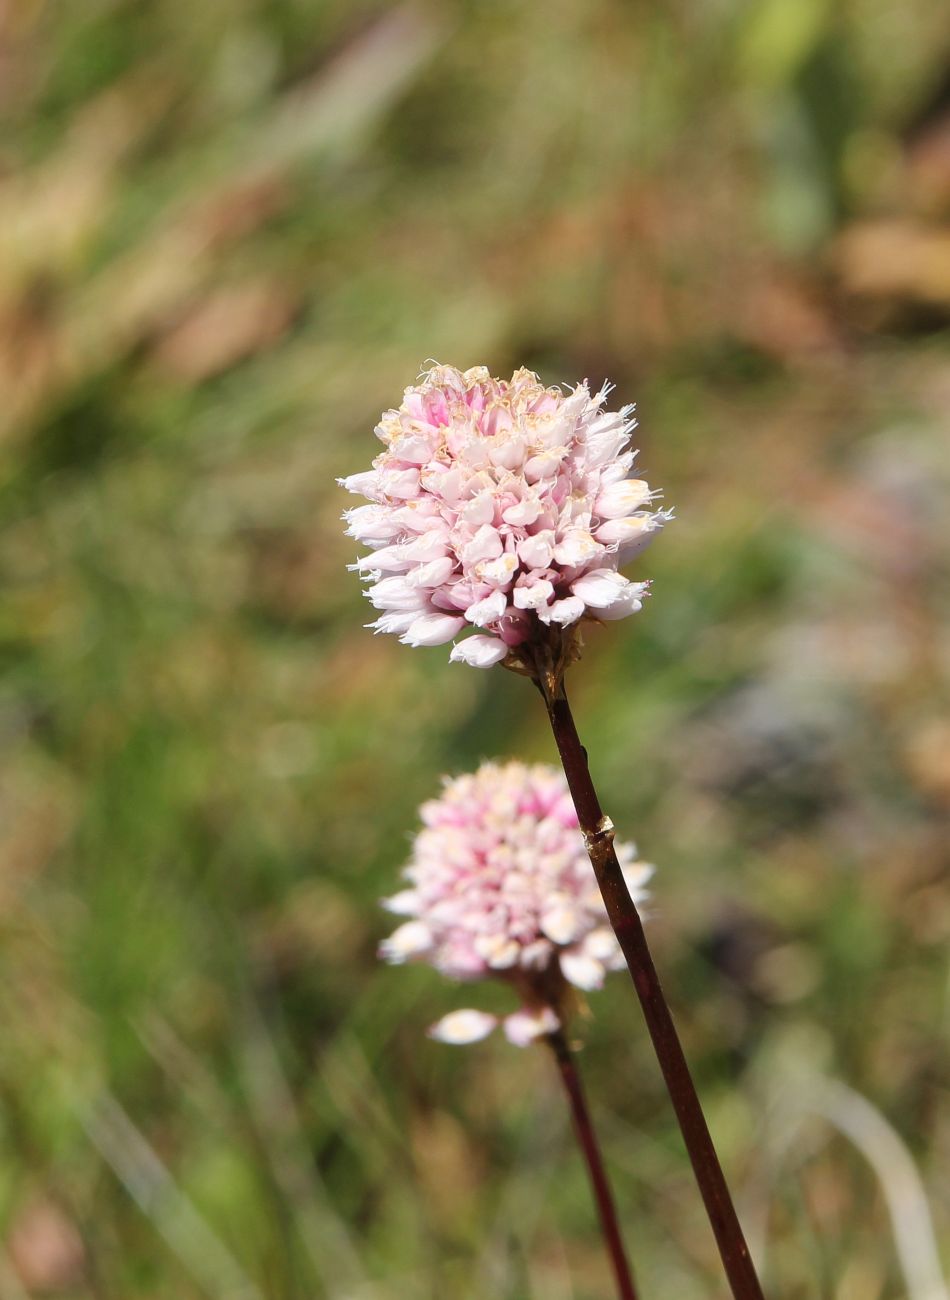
137 1166
879 1143
865 1127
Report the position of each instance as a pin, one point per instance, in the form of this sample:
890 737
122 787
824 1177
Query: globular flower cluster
500 885
502 506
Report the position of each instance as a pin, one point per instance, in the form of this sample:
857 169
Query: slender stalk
626 923
587 1140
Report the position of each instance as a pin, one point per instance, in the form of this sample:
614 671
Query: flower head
499 885
500 507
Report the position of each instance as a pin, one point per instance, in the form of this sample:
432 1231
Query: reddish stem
626 923
587 1140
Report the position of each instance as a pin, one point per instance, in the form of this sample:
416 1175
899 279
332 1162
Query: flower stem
587 1141
626 923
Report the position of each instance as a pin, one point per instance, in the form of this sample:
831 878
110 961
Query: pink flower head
500 885
500 507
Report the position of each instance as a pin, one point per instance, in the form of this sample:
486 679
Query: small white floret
432 629
600 588
622 498
562 924
479 651
488 610
405 903
583 972
460 1027
629 600
524 1026
563 612
533 595
410 940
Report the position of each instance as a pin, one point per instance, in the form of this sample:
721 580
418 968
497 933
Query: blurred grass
228 238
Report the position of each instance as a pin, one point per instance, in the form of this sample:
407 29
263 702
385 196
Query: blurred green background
230 234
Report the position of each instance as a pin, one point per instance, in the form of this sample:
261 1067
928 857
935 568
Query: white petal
617 470
432 629
430 545
508 453
396 623
371 523
392 559
599 588
562 924
460 1027
563 612
480 510
545 464
629 601
442 482
524 1026
364 485
433 573
608 435
619 499
537 955
627 550
577 546
486 611
414 449
479 651
485 545
536 552
400 483
396 594
410 940
601 944
405 903
621 531
523 512
532 595
636 876
498 950
583 972
498 573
